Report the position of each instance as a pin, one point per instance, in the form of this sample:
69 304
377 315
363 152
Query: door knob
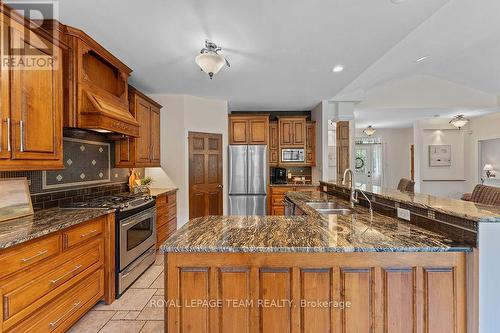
219 186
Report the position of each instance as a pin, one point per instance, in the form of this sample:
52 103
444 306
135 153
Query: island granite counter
313 274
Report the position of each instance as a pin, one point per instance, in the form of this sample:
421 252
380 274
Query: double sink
330 208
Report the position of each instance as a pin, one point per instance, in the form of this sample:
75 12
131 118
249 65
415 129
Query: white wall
396 157
320 117
447 181
180 115
481 128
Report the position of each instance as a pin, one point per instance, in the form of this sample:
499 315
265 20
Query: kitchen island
313 273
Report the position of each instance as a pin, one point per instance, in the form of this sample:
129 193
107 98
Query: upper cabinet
31 104
311 143
95 86
143 151
248 130
292 131
273 143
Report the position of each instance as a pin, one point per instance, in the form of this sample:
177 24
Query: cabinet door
286 132
273 135
238 131
342 147
155 136
299 132
311 143
4 95
143 142
258 131
36 98
124 152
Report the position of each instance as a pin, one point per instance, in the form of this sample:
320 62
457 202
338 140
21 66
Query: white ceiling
461 41
281 51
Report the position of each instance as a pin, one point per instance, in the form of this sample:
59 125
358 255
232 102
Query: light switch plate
404 214
325 188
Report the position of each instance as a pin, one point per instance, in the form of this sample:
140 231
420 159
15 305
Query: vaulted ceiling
281 52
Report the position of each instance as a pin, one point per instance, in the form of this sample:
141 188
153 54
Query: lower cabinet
277 197
48 283
166 216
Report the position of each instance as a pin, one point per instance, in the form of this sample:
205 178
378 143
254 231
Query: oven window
139 233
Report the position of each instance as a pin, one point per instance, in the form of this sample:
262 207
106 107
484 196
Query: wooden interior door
205 174
143 142
342 147
36 98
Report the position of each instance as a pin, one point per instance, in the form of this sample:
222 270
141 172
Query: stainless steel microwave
292 155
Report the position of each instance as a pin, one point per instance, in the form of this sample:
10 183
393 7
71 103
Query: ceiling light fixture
459 121
421 59
209 60
338 68
369 130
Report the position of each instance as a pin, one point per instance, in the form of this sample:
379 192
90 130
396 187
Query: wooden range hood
95 87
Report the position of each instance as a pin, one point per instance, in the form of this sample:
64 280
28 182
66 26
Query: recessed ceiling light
421 59
338 68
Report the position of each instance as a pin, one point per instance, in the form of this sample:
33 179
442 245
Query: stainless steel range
135 220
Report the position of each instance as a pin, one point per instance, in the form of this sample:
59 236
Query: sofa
484 194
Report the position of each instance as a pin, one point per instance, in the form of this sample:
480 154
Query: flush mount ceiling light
421 59
459 121
209 60
369 130
338 68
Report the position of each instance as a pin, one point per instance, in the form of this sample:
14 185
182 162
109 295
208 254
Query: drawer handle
39 254
77 267
88 233
56 323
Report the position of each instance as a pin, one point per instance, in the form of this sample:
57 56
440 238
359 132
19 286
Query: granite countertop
43 222
296 185
159 191
308 233
459 208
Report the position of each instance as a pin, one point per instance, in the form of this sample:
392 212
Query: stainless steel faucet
354 194
354 198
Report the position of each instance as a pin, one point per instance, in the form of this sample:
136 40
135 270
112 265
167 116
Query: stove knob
122 206
126 204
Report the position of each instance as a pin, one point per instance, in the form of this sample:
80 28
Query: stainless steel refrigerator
247 180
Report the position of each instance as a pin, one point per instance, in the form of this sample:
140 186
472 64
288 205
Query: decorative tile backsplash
88 162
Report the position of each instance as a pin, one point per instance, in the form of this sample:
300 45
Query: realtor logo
28 47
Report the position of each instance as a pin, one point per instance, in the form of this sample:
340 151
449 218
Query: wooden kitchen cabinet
166 220
143 151
277 204
311 143
50 282
248 130
273 143
292 131
31 112
342 147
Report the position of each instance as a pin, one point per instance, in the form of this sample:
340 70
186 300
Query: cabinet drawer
172 212
172 198
25 255
277 200
281 190
278 210
20 298
82 233
67 308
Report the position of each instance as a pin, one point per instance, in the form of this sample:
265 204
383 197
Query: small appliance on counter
278 176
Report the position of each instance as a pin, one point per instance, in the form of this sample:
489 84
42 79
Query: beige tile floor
134 312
